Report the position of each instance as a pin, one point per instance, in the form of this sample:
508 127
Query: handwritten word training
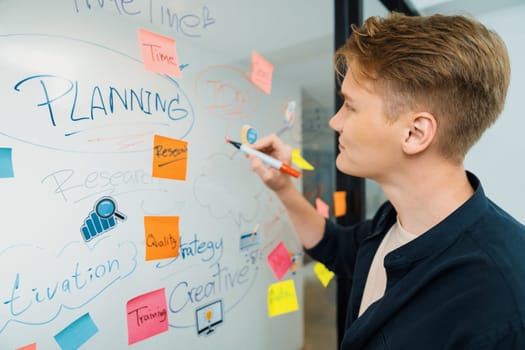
143 315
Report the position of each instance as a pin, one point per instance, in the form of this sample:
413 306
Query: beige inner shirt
376 281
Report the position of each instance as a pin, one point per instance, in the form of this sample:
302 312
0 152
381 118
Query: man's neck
424 197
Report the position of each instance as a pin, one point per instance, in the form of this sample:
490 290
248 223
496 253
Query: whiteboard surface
66 68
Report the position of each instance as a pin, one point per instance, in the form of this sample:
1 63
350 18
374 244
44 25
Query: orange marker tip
227 139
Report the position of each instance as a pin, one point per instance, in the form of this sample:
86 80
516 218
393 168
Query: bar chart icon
101 219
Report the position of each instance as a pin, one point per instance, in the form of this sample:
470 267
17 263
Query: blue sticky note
6 163
77 333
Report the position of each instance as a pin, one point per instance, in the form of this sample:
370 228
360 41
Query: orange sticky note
28 347
162 237
147 315
261 73
322 207
159 53
170 158
282 298
339 203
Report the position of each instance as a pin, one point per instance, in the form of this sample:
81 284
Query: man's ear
420 133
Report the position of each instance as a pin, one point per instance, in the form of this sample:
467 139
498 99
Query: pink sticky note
159 53
261 74
322 207
280 260
28 347
147 315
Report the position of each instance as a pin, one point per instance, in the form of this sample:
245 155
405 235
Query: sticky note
77 333
299 161
282 298
248 134
28 347
261 73
170 158
324 275
289 114
159 53
162 237
339 203
279 260
6 163
322 207
147 315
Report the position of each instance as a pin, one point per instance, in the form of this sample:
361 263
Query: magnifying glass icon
106 207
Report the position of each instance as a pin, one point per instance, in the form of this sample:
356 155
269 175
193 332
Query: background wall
498 158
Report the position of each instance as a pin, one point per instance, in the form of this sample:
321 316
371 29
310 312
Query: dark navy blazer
460 285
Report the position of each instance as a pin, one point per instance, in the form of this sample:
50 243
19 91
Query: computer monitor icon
208 317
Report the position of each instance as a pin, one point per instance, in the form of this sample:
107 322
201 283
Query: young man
439 266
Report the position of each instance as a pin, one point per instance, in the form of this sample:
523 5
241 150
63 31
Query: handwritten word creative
223 279
159 53
162 237
282 298
170 158
191 23
229 282
147 315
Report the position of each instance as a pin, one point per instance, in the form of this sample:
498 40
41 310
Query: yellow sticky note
261 73
170 158
159 53
282 298
162 237
324 275
339 203
300 162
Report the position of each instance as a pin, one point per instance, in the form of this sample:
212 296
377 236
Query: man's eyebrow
344 96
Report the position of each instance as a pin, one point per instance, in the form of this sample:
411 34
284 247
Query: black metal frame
346 13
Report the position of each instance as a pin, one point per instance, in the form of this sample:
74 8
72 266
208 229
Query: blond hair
451 66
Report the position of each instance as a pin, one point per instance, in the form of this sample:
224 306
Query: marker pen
275 163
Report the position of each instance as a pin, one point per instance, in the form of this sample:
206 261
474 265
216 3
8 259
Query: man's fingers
264 172
267 143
